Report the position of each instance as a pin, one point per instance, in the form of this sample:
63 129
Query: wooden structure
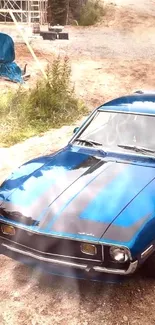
25 11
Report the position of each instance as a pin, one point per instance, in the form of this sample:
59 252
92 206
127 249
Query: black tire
148 267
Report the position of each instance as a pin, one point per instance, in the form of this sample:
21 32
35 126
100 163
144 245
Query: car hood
72 194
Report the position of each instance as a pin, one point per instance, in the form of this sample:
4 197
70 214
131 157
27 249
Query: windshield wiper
89 142
136 149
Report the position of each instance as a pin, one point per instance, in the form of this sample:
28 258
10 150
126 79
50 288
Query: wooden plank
27 43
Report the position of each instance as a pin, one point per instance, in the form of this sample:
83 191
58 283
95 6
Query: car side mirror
76 130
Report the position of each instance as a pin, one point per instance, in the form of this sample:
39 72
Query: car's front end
63 256
87 211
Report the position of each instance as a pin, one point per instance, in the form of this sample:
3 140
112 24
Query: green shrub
91 13
50 104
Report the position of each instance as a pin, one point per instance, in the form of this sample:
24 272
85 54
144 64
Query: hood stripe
123 235
67 219
62 201
127 225
29 183
117 194
40 205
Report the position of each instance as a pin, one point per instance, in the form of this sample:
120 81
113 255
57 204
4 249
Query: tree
58 12
75 8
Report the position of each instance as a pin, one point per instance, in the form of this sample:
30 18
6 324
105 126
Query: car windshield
117 130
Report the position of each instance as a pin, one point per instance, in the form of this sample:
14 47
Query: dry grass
50 104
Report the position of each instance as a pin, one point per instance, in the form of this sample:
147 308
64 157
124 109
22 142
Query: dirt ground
114 58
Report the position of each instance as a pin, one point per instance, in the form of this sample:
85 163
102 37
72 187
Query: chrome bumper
132 267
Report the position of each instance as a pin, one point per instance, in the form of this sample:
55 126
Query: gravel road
108 60
128 32
99 43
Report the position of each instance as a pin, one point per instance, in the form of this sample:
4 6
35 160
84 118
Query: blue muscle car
88 210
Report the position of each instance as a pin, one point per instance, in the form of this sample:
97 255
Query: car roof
141 103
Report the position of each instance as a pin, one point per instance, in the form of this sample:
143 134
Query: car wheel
148 268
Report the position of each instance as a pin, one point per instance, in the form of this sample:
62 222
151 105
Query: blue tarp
8 68
7 52
11 71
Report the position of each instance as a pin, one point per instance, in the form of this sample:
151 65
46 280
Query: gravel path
99 43
128 32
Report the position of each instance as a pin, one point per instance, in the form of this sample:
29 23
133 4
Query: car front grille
52 245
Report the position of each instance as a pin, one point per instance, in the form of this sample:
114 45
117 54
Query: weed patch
52 103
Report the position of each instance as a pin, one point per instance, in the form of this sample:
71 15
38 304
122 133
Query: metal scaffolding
25 11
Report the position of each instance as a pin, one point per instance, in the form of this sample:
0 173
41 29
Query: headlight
119 254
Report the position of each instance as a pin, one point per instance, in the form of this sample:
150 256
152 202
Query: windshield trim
123 153
125 112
